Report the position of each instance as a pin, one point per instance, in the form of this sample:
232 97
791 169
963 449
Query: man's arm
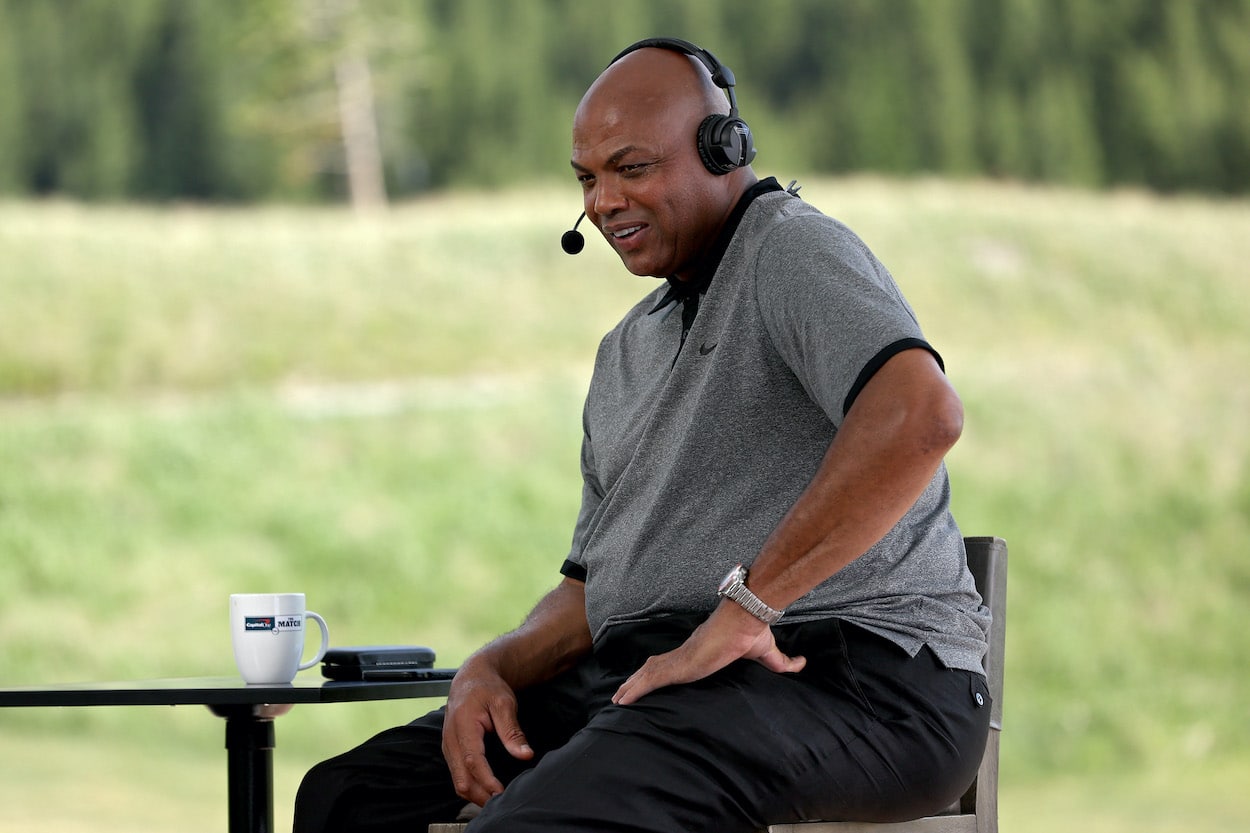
889 446
483 694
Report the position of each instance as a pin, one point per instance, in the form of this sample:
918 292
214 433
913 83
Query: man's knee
317 797
321 778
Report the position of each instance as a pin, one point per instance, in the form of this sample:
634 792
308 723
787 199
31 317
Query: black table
249 711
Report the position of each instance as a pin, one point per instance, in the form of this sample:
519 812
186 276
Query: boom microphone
572 241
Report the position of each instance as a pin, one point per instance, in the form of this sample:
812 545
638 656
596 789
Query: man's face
643 184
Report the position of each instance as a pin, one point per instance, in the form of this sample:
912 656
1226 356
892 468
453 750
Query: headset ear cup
705 141
724 143
738 135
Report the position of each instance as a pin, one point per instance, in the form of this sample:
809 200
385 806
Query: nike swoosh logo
704 349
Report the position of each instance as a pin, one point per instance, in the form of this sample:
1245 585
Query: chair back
987 560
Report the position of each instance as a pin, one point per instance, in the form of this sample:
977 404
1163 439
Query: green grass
384 414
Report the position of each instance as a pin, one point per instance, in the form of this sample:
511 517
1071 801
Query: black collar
679 290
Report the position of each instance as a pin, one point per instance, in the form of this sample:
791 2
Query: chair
977 810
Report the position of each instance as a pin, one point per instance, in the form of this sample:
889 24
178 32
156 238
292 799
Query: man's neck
698 277
710 258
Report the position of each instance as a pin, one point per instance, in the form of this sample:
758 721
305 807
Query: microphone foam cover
572 241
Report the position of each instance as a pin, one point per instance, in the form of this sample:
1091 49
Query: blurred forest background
253 99
216 376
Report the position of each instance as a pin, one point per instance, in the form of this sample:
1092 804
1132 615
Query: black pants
864 732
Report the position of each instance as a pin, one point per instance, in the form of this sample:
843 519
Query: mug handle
325 640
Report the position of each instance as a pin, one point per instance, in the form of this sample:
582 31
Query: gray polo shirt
692 455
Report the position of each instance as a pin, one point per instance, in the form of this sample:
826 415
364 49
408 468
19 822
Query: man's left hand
729 634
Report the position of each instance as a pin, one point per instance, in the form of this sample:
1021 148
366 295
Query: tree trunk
359 126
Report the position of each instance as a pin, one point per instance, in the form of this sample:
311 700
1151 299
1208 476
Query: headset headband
722 76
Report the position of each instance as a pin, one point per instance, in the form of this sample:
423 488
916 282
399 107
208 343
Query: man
773 405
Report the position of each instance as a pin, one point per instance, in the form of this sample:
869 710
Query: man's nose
608 198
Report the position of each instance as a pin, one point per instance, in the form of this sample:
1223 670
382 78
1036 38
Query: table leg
249 758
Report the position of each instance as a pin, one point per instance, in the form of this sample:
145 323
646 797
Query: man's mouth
625 233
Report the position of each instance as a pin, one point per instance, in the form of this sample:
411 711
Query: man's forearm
551 639
890 445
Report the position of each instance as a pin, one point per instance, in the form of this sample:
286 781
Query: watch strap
751 603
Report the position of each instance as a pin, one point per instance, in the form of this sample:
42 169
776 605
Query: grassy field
384 414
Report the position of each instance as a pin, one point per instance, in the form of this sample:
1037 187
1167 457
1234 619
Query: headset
724 141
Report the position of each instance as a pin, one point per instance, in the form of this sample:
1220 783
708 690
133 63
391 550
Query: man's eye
633 169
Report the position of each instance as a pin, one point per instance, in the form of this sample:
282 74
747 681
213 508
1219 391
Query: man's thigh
722 754
748 747
399 781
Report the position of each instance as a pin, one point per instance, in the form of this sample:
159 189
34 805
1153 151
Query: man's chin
641 268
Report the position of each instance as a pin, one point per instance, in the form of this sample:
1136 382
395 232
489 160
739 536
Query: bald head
635 153
655 83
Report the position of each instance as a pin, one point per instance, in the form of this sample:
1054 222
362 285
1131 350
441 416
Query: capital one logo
275 624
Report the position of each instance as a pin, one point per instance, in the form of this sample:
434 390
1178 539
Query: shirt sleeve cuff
878 361
573 570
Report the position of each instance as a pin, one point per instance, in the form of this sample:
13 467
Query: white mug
267 630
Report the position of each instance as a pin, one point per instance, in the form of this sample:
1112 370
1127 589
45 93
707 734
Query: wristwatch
735 587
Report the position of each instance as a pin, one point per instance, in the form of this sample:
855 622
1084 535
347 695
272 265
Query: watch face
735 575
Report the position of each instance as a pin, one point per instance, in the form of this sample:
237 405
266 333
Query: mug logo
276 624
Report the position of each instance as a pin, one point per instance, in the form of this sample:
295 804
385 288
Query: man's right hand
483 694
480 701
